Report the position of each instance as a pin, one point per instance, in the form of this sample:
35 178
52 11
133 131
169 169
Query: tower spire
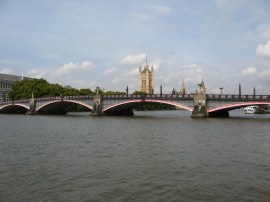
146 59
202 86
183 88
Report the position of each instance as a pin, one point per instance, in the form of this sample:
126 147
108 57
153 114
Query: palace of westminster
146 81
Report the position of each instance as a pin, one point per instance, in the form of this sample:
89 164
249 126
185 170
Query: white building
6 82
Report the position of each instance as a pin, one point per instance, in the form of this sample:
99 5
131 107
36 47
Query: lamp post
221 90
240 89
127 90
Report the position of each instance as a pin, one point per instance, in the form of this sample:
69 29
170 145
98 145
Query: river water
153 156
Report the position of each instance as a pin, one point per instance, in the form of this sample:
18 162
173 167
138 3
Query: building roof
9 77
146 69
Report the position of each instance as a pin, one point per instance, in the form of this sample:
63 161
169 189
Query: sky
90 43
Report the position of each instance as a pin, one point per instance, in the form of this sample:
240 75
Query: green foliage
113 93
155 106
152 106
85 91
41 88
139 93
76 108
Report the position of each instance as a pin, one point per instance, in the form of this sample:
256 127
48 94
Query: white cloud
249 71
142 16
159 9
263 50
134 59
78 83
264 31
128 76
6 71
151 12
156 64
264 74
36 73
228 5
49 56
133 72
69 67
87 65
191 73
191 66
109 71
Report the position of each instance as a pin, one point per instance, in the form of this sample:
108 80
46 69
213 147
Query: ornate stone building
146 79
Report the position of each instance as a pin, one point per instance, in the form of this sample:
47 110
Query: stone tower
146 79
202 87
183 88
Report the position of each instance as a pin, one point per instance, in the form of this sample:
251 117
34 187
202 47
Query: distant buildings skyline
85 44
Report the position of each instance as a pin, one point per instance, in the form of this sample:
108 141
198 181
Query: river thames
152 156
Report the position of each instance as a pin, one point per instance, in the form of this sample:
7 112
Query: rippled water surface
153 156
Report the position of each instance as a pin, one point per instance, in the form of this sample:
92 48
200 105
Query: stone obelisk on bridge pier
33 105
200 102
97 108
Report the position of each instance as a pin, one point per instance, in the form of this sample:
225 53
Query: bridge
199 104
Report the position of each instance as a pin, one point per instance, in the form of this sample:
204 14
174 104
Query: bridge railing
238 97
66 97
139 96
150 96
15 101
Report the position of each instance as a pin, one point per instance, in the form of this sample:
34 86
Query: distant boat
250 109
264 109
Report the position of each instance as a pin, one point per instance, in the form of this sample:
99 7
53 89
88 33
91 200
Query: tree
40 88
139 93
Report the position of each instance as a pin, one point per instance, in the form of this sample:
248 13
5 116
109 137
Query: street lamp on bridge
221 90
127 90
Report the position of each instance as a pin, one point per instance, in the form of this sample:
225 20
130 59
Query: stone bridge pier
200 106
32 106
98 104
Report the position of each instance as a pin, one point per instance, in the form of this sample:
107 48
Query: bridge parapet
138 96
237 97
201 104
